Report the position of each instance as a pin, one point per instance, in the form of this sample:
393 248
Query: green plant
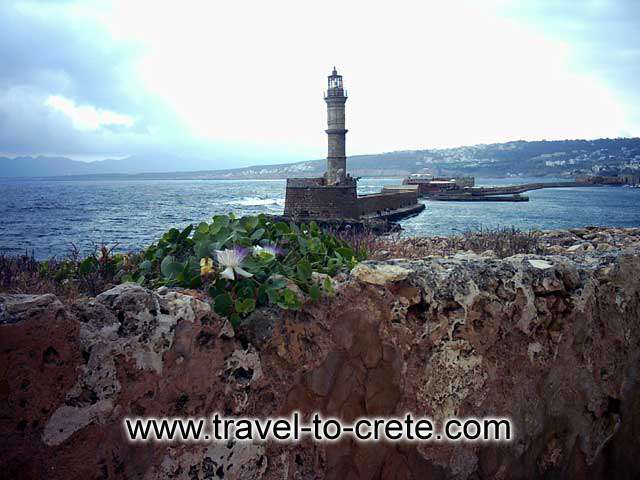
247 262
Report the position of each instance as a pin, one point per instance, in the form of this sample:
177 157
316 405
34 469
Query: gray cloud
46 51
28 126
53 53
57 52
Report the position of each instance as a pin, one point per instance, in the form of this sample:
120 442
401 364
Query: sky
241 83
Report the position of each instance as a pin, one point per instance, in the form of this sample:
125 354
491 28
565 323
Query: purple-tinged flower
268 250
231 260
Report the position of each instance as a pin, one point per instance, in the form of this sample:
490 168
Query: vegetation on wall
243 263
247 262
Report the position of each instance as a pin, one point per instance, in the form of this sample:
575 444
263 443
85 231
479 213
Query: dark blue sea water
46 217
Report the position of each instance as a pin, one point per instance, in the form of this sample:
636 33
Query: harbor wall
380 203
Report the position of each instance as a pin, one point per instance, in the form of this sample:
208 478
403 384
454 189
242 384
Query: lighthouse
335 97
333 198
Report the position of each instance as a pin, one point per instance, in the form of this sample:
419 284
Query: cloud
50 48
603 37
28 125
68 87
240 84
71 86
87 117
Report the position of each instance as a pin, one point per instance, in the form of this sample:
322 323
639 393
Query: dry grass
64 277
503 242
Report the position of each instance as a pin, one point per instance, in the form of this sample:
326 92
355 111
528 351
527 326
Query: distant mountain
518 158
40 166
44 166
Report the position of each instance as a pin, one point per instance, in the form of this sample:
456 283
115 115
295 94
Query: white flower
232 261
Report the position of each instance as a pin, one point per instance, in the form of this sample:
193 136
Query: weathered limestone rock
551 342
379 274
14 308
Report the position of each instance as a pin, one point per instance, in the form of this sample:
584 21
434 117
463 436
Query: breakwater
525 187
507 193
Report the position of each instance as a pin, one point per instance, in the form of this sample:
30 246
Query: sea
48 217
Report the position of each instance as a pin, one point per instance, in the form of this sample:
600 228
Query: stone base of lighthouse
312 199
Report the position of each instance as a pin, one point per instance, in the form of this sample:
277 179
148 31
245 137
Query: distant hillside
540 158
44 166
518 158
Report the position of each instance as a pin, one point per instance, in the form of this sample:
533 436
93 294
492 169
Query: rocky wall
551 342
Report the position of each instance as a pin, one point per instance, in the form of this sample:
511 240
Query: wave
255 201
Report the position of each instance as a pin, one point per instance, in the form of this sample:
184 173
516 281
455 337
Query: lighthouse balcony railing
335 92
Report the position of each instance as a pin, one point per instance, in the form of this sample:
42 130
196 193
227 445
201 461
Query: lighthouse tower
334 196
336 97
